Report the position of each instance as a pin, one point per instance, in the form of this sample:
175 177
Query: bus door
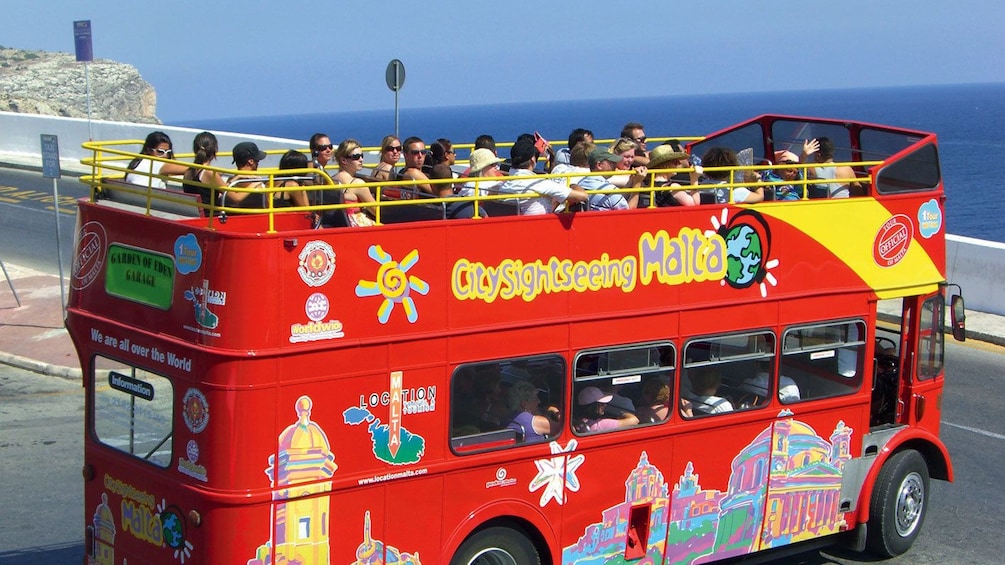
922 352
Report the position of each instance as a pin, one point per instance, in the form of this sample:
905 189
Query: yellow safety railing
109 166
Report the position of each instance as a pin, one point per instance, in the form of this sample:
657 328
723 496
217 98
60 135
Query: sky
231 59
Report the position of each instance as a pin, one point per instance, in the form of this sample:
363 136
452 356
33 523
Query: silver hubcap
492 556
910 503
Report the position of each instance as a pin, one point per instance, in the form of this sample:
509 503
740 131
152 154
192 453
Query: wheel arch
932 450
513 515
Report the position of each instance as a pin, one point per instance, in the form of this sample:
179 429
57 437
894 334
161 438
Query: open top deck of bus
169 255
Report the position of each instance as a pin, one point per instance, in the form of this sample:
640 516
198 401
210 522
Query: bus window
824 360
931 340
724 374
622 387
133 411
497 404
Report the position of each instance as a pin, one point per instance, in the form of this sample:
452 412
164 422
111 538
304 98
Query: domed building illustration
103 525
300 525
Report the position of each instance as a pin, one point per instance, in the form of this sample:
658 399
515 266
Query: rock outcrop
42 82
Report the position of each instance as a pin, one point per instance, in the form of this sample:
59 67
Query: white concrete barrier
979 267
20 139
976 265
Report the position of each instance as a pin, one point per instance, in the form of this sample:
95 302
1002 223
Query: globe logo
743 255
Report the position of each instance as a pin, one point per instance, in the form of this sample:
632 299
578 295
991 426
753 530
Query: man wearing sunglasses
415 157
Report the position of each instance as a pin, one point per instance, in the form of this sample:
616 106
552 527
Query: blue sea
968 119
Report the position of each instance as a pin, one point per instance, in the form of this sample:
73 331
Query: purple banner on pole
82 40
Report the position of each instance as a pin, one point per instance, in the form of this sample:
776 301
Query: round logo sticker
90 255
892 241
195 410
316 307
317 263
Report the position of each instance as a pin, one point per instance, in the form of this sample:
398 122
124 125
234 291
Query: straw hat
663 154
481 158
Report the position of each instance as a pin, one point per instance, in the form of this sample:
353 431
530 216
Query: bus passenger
321 152
670 156
441 151
636 132
415 158
157 144
822 150
523 156
704 386
390 153
628 150
655 400
726 157
205 147
247 156
292 159
527 418
785 192
349 157
596 417
603 161
564 155
579 162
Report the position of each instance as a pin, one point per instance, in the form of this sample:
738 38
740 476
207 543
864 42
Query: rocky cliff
41 82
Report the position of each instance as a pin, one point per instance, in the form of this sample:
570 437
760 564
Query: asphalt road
27 207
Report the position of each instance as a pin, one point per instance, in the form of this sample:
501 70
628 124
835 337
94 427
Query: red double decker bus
656 385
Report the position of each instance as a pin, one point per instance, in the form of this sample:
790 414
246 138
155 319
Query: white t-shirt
147 166
710 405
788 390
549 191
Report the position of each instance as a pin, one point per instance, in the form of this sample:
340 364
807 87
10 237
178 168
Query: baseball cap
523 150
599 154
247 150
592 394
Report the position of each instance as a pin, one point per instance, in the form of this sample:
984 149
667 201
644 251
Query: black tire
497 546
899 504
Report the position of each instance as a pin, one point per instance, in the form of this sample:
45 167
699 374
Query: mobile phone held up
540 143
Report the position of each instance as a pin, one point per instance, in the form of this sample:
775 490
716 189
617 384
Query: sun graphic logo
748 244
394 284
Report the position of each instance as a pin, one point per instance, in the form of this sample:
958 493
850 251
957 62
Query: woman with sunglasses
157 144
390 154
349 157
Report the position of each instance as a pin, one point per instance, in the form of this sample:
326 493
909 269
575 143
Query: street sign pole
51 170
394 75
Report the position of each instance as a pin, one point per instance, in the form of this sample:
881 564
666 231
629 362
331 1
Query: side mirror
959 318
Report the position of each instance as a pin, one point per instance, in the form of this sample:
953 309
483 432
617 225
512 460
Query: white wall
20 138
979 267
976 265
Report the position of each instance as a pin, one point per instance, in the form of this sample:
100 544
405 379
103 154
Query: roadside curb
41 368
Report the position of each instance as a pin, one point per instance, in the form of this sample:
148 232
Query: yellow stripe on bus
849 231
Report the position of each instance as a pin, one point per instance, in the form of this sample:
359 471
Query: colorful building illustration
300 525
104 533
784 486
374 552
607 539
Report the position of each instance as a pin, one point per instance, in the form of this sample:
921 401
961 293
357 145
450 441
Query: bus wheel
899 503
497 546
